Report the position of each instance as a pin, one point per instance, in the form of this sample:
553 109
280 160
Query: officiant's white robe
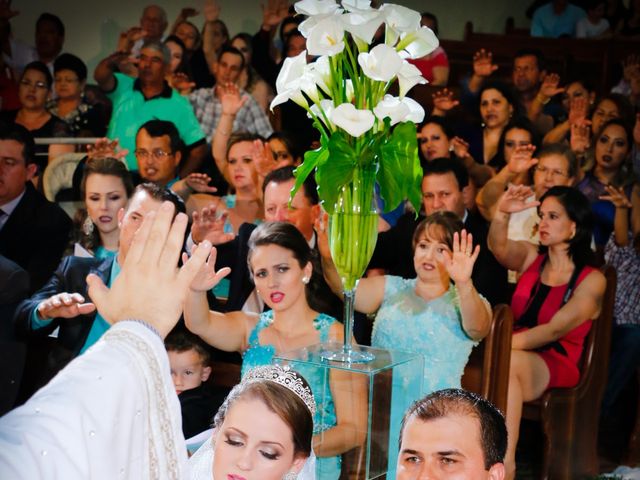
112 413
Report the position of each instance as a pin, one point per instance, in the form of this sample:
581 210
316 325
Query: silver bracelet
146 324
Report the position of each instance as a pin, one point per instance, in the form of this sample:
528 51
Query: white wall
93 26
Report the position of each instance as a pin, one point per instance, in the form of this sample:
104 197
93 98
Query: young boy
190 369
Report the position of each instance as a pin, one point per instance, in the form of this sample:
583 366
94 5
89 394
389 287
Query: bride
262 431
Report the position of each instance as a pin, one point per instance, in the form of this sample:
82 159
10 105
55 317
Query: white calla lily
409 76
363 25
419 43
292 81
323 111
320 72
382 63
416 112
393 108
399 20
355 122
326 37
316 7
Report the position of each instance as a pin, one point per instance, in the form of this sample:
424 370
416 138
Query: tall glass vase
353 231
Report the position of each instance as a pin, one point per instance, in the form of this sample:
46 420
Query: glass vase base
346 355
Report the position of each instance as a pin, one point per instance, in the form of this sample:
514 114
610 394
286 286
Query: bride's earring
290 476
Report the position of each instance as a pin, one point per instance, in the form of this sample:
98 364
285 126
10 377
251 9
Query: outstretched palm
521 160
459 262
516 199
207 277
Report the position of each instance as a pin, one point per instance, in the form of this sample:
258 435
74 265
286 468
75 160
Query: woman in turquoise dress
281 263
428 315
106 187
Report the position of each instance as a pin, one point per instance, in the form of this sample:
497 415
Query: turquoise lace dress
433 329
327 468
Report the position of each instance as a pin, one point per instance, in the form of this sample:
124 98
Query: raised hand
459 262
199 182
207 277
211 10
550 86
578 110
274 12
262 158
64 305
150 286
580 136
443 101
230 98
460 147
207 225
522 159
617 196
483 65
129 37
181 82
516 199
104 148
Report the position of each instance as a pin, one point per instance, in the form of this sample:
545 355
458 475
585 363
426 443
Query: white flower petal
320 72
416 112
363 25
325 106
356 5
400 19
326 37
419 43
316 7
409 76
382 63
292 69
393 108
355 122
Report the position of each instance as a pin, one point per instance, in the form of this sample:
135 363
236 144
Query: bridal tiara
288 378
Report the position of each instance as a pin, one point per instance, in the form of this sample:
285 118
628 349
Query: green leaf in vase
311 160
335 169
400 174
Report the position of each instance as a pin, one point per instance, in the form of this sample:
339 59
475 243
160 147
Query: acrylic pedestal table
391 378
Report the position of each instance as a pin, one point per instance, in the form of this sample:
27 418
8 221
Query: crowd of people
530 184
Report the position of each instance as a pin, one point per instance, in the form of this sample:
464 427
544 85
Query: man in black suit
63 303
33 231
443 185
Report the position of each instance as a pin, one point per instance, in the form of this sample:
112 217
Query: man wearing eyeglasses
136 101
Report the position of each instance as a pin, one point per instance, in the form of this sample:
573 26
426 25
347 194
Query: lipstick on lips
276 297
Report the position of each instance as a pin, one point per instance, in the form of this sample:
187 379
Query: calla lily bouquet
344 91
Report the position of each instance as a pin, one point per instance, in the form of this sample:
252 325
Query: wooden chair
487 371
569 416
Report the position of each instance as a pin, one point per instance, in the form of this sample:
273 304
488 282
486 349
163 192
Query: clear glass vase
353 231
